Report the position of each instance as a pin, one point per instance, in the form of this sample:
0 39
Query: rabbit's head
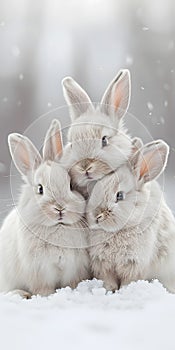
129 197
46 198
98 142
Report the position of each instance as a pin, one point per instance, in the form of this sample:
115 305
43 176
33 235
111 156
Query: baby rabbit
132 229
42 240
98 142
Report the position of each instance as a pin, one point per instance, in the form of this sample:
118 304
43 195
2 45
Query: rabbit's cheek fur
106 220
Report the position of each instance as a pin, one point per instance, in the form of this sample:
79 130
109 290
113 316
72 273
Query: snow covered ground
140 316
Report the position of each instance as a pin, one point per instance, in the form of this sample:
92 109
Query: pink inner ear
117 99
147 163
144 168
58 143
23 155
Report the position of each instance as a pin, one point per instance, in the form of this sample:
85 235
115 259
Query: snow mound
138 316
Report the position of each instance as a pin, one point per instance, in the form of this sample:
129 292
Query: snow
162 120
129 60
21 76
5 99
139 316
150 106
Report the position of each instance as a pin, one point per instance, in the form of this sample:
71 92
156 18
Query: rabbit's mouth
88 176
61 223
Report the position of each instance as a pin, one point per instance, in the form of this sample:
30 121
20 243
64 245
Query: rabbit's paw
111 285
23 293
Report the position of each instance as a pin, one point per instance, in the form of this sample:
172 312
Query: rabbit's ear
116 98
137 143
76 98
24 154
149 162
53 144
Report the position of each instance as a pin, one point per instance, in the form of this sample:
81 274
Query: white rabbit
132 230
98 142
40 237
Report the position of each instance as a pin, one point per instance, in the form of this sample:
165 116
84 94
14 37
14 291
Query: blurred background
44 41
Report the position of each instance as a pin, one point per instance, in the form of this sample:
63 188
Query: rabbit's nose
88 171
88 175
88 168
60 212
100 217
59 209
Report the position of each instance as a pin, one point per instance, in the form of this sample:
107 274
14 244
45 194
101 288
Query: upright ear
150 161
116 98
76 98
137 143
24 154
53 144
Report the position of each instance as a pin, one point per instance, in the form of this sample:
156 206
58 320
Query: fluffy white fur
43 240
85 156
133 238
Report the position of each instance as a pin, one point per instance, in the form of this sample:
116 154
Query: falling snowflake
150 106
5 99
145 29
2 24
162 120
19 103
21 76
49 105
142 88
165 103
129 60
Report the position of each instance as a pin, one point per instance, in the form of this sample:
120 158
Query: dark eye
71 188
120 196
40 189
104 141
